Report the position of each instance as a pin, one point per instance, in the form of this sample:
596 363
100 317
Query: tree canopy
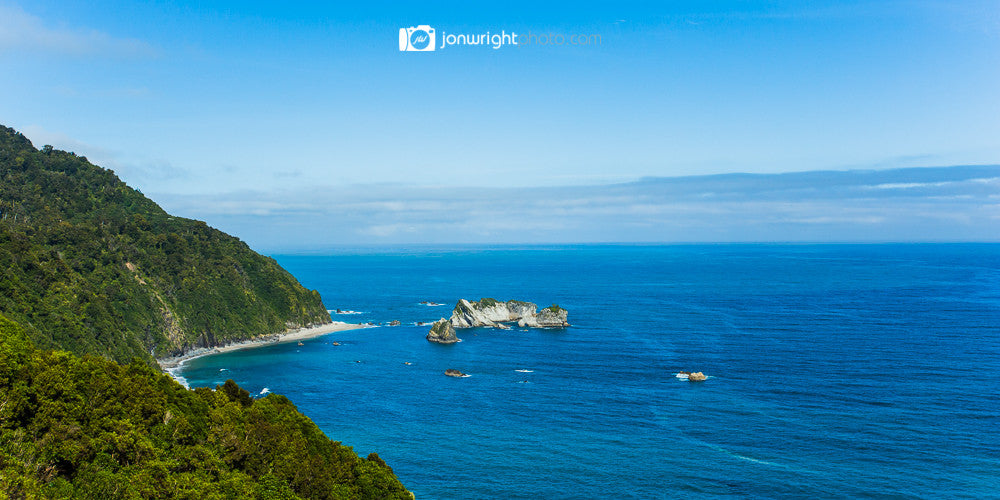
90 265
86 427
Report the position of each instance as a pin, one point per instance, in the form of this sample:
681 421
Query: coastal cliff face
492 313
489 312
550 317
94 267
442 332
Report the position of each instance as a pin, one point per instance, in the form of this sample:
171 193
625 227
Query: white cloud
136 172
907 185
914 185
40 136
24 32
955 204
386 230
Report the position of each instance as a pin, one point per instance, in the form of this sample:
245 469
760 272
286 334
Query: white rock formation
493 313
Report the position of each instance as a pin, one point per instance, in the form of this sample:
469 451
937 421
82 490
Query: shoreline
171 364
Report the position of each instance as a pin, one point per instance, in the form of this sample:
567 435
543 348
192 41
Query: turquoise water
835 370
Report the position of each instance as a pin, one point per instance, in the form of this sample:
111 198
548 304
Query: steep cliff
90 265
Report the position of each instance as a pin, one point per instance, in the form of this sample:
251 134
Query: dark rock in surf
442 332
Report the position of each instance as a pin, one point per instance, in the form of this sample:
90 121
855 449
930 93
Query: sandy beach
172 363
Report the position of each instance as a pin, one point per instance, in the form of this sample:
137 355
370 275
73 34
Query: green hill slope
89 265
74 427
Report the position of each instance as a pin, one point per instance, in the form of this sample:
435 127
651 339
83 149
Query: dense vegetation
89 265
486 303
73 427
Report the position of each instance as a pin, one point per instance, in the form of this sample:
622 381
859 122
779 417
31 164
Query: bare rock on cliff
493 313
442 332
489 312
550 317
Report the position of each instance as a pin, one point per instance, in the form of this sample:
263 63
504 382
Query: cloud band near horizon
960 203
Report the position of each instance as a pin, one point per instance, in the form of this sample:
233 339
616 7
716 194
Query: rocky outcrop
550 317
451 372
696 377
492 313
394 322
489 312
442 332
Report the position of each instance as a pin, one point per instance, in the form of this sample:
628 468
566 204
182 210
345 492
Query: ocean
834 370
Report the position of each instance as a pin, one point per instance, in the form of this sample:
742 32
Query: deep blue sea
835 370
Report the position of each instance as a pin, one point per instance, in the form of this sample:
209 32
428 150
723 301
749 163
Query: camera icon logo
416 39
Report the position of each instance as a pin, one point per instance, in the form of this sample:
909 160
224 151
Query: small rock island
442 332
692 376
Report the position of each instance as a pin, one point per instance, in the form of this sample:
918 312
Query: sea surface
834 370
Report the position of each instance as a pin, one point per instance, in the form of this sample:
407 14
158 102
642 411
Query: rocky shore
292 335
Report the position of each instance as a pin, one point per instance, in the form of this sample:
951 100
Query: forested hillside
87 427
90 265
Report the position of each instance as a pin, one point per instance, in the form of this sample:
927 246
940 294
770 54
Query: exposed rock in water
489 312
442 332
550 317
451 372
696 377
394 322
492 313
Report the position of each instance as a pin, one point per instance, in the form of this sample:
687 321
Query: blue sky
944 204
249 101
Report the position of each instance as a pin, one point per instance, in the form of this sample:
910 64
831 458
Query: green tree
73 427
